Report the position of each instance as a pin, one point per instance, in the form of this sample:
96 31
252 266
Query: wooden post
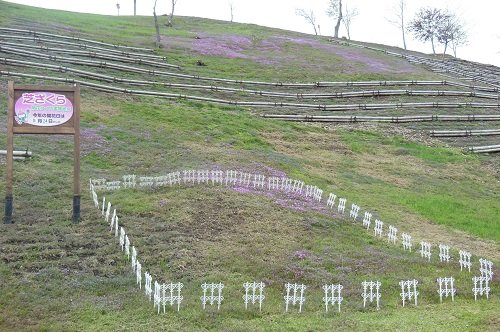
76 172
10 156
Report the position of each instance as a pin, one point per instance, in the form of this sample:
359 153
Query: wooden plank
10 157
76 116
10 139
76 172
50 88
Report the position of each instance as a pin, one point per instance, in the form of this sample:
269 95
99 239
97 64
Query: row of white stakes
486 266
283 183
170 293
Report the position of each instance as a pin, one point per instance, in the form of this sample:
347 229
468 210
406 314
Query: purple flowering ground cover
278 50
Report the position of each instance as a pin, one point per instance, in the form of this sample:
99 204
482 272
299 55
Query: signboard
44 109
38 109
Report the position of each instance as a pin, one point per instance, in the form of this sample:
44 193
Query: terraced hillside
204 102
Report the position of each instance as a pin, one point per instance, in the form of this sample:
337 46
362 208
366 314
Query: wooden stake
10 156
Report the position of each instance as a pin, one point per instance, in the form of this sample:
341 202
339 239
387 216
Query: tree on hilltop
170 19
347 19
309 17
399 19
157 26
451 31
426 24
334 10
436 25
231 8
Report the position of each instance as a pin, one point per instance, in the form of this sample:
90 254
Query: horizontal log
94 55
464 133
320 107
485 149
350 94
36 33
392 119
214 79
80 45
21 153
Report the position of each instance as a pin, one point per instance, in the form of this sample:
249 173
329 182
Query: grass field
59 276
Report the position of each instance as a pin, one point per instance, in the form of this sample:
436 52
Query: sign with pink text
43 109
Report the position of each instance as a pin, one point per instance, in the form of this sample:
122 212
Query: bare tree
347 19
118 8
171 16
135 7
459 39
231 8
334 10
451 31
308 16
157 26
425 26
399 20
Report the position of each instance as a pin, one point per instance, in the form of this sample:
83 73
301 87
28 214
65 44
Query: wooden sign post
35 109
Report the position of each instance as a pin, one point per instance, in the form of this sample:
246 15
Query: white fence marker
171 294
138 274
465 262
127 246
297 297
217 177
116 226
157 296
331 200
354 211
128 181
444 253
379 227
446 288
481 289
212 298
406 241
113 219
486 268
367 220
108 210
409 290
392 235
333 295
134 258
425 250
122 238
147 285
251 295
371 291
103 204
341 207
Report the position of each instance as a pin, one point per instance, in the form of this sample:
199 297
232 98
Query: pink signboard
44 109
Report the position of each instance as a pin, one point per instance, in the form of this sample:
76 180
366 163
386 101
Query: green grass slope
58 276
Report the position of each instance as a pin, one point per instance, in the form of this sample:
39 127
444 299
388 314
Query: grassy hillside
58 276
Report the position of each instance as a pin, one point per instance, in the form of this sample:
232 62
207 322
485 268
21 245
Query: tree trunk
135 7
433 49
171 17
315 31
445 47
404 40
339 19
402 6
157 26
